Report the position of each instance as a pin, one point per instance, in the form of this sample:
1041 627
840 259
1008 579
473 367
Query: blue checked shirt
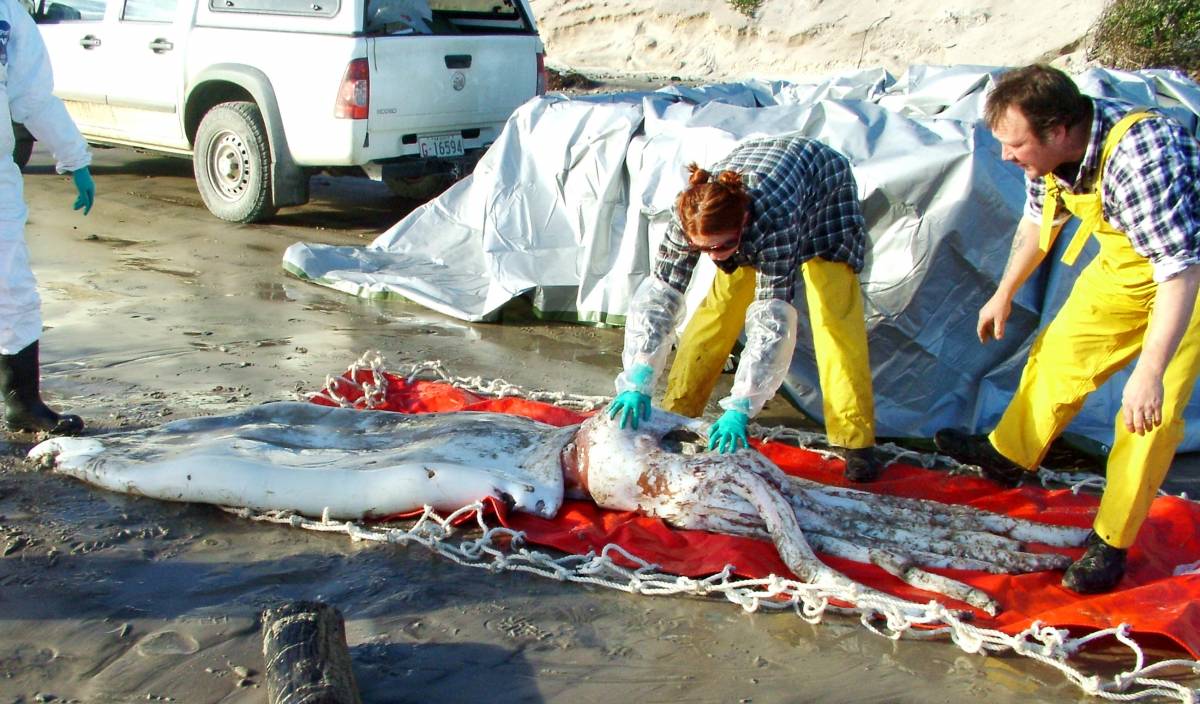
1150 189
804 204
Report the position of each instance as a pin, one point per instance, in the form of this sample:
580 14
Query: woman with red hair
772 209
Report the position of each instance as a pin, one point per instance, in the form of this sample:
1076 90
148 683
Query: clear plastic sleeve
654 313
770 342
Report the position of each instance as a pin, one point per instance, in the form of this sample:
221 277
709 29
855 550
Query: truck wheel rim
229 165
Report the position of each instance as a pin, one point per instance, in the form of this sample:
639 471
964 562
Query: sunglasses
718 247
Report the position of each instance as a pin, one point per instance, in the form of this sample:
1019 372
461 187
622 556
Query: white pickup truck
261 94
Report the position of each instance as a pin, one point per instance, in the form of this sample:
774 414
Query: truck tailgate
429 83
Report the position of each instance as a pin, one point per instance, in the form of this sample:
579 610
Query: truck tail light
541 73
354 94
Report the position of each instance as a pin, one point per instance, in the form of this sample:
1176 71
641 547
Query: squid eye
682 441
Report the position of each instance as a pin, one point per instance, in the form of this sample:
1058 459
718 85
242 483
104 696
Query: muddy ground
155 310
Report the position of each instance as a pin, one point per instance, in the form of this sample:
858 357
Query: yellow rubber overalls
1099 331
839 341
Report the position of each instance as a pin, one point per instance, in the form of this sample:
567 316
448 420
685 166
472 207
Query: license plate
441 145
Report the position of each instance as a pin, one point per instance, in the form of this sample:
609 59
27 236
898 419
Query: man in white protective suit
27 84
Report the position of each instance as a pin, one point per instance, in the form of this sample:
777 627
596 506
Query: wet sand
154 311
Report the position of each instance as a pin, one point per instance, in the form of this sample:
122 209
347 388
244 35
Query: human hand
86 188
993 316
1142 402
633 406
728 431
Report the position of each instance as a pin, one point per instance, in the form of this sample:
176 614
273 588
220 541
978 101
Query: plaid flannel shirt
804 204
1150 188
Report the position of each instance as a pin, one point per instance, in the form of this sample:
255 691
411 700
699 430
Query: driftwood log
307 660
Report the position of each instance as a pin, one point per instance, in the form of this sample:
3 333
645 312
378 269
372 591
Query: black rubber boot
862 465
1099 570
977 450
20 379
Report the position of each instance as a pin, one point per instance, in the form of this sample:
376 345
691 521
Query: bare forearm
1173 306
1023 259
1143 397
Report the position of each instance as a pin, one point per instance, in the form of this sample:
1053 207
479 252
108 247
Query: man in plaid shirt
1131 178
772 209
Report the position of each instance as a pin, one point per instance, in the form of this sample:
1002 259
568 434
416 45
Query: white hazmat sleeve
31 99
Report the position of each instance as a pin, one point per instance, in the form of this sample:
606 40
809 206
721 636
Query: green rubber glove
728 431
633 407
86 188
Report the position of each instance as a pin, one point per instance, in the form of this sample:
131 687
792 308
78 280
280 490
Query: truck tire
22 150
232 161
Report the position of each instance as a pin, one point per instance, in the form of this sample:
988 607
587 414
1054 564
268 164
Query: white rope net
501 549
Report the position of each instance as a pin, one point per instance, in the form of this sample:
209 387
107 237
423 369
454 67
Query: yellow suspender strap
1118 131
1050 204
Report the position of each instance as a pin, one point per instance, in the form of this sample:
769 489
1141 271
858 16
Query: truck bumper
416 167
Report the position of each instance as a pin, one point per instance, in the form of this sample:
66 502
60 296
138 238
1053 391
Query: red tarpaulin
1151 599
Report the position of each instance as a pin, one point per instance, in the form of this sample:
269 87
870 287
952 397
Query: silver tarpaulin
568 206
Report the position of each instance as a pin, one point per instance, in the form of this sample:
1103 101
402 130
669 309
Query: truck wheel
232 161
22 150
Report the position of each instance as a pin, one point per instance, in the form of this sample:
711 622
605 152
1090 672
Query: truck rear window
481 9
319 8
446 17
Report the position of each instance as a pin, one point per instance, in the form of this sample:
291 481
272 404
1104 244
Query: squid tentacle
789 540
903 568
922 511
881 528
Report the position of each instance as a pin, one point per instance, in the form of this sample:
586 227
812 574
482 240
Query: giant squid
351 464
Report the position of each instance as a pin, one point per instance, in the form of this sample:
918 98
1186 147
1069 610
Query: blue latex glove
633 406
728 431
86 187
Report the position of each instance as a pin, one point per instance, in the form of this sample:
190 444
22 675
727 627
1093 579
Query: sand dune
794 39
